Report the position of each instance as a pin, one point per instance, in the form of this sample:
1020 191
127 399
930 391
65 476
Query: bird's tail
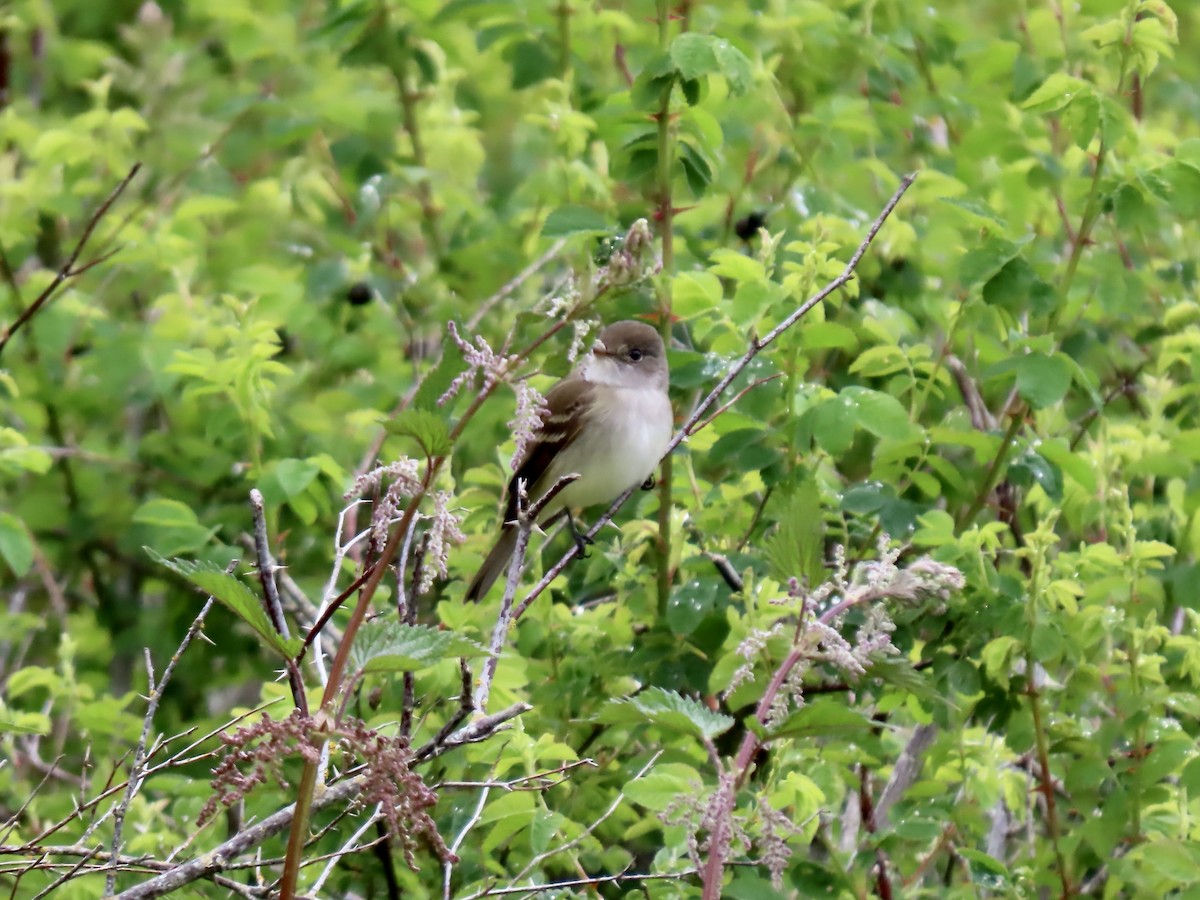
496 562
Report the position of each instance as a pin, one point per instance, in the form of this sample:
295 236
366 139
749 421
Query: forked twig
68 269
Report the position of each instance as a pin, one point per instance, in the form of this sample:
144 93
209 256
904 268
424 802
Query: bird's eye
635 354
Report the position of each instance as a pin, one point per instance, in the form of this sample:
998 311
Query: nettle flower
405 483
531 411
480 358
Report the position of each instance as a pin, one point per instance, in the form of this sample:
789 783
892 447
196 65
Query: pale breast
624 439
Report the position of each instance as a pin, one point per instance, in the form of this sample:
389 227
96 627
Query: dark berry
359 294
748 227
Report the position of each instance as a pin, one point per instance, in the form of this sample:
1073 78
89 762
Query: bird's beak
598 349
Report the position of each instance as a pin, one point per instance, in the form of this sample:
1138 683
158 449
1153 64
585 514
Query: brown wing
560 426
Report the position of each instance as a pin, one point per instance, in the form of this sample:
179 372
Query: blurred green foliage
1009 384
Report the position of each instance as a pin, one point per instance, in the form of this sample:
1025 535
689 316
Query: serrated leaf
427 428
569 220
385 645
898 672
233 594
821 718
656 706
437 380
796 548
696 55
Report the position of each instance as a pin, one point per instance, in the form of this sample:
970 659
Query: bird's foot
582 541
648 484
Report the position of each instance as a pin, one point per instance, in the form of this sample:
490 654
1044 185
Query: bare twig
534 889
757 345
68 269
519 279
466 705
136 773
724 406
587 832
526 519
215 860
538 781
266 577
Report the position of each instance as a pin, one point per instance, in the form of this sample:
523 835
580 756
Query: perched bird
609 421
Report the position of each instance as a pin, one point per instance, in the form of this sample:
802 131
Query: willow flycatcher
609 422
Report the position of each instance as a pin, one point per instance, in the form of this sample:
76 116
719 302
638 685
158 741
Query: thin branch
524 275
68 269
136 774
724 406
266 577
526 519
466 706
533 889
757 345
524 782
215 860
587 832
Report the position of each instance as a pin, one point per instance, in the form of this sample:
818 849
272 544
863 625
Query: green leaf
984 261
876 362
697 55
695 293
1042 380
879 413
665 783
692 602
531 63
233 594
16 546
427 428
827 335
977 209
821 718
171 526
385 645
295 475
437 380
24 723
796 547
1030 468
1018 288
833 421
656 706
898 672
1060 454
1057 91
569 220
